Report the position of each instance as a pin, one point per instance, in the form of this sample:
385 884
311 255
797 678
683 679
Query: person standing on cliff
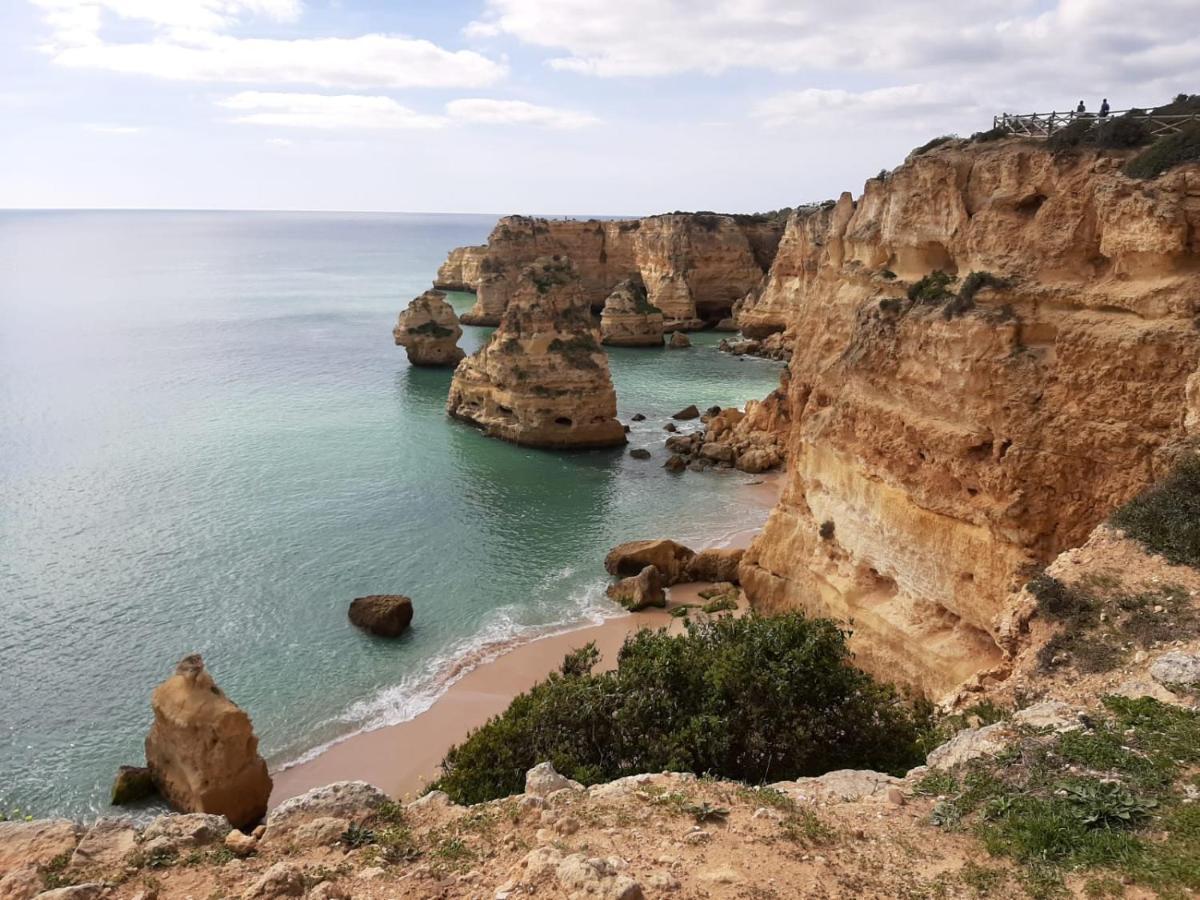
1080 109
1104 108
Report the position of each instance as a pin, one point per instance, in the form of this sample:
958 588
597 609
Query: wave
501 633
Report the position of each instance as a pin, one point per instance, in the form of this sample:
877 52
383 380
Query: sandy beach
401 759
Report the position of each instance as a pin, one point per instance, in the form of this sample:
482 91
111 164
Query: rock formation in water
386 615
695 266
993 349
543 379
428 330
202 751
629 319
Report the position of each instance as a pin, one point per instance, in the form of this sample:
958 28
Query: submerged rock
543 378
133 783
629 319
640 453
679 341
429 331
688 412
202 750
387 615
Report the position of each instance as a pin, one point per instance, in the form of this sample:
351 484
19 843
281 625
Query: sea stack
202 751
543 378
429 331
629 319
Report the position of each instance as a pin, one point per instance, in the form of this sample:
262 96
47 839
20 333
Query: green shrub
1166 153
577 350
933 288
433 329
750 698
935 142
1166 518
992 134
972 285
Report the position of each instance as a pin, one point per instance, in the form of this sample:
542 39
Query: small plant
992 134
933 288
887 274
722 603
432 329
706 812
972 285
1166 518
581 661
357 835
54 873
1107 804
935 142
826 530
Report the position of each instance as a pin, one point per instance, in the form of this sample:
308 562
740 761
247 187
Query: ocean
209 443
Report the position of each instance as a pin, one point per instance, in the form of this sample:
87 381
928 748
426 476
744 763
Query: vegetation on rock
1166 518
756 699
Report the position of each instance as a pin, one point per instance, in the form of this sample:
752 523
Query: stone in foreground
543 378
386 615
429 331
202 750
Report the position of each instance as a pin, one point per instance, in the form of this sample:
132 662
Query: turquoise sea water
209 443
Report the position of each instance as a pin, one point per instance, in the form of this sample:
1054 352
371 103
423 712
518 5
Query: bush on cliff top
1166 153
1166 517
756 699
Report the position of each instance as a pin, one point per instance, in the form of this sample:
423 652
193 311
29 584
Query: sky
558 107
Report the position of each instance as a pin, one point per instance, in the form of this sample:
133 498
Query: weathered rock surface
543 379
352 801
284 879
202 750
105 846
695 266
21 884
843 785
91 890
957 445
543 780
629 319
184 832
716 564
679 341
639 591
1177 667
35 843
133 783
387 615
672 560
429 331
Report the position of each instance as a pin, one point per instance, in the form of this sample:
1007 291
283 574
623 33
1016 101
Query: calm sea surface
209 443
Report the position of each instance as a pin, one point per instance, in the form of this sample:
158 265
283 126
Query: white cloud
516 112
992 53
190 41
911 103
325 112
105 128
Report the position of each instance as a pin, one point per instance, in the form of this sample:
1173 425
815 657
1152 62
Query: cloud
341 112
325 112
105 128
516 112
994 53
190 41
909 103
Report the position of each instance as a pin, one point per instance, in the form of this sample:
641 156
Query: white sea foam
501 633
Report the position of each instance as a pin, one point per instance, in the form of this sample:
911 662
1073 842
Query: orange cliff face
940 450
694 265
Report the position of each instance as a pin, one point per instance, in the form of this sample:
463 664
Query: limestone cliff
694 265
942 447
429 331
543 379
629 319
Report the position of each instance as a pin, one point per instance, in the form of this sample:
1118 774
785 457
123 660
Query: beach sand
401 759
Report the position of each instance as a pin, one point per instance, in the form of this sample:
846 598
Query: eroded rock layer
629 319
543 379
942 447
694 265
429 331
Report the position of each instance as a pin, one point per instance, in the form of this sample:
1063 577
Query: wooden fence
1042 125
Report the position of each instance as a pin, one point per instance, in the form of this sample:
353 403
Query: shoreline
402 758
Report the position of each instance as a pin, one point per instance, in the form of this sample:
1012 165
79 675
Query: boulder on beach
640 453
668 557
386 615
639 591
716 565
202 751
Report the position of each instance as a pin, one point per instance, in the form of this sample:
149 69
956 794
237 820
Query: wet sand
401 759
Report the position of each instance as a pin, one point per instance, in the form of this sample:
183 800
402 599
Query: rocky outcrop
694 265
950 442
386 615
35 843
629 319
752 441
428 330
202 750
542 380
462 269
669 558
639 591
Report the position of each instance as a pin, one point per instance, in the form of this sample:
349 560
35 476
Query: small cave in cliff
563 421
